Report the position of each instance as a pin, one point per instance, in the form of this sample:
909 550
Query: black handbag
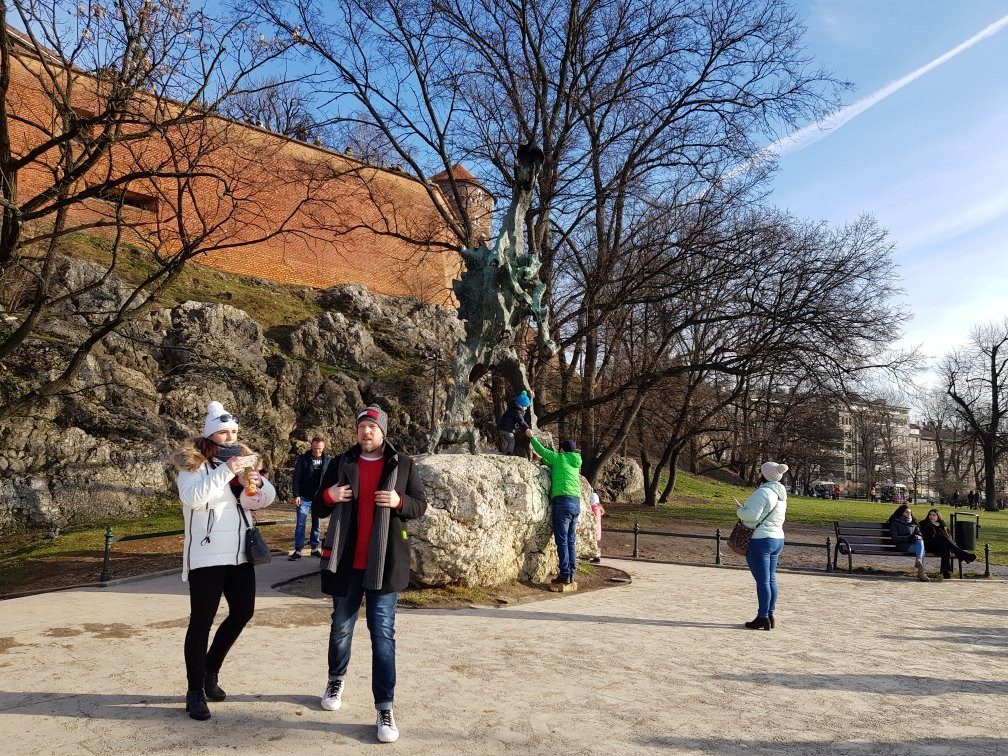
256 550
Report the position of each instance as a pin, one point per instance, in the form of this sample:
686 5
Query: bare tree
282 106
976 378
107 128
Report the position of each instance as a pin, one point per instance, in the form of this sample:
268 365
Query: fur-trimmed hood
187 456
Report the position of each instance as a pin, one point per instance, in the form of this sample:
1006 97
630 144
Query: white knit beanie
772 471
217 419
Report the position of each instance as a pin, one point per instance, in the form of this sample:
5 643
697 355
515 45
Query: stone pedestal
488 522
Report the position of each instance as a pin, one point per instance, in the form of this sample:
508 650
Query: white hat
217 420
772 471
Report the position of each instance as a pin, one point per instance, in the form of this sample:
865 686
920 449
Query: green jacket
565 468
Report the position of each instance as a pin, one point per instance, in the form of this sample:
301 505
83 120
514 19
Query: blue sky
930 161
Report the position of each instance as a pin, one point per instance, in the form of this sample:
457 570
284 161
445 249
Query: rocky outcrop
102 448
488 522
621 479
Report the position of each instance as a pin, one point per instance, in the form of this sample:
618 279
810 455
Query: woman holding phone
213 485
764 511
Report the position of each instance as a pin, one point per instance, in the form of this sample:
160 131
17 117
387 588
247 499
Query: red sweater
369 473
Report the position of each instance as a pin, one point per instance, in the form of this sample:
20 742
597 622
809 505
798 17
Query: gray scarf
339 523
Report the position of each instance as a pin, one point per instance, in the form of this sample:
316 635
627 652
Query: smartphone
248 461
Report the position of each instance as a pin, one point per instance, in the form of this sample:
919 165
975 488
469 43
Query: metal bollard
986 560
106 573
829 555
717 539
636 531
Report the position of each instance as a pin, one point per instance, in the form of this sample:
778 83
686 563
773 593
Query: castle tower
477 202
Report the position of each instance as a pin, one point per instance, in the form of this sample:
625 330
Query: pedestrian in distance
764 511
565 493
218 480
907 536
938 540
368 496
309 467
516 419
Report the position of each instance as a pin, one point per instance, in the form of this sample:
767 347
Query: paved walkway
659 666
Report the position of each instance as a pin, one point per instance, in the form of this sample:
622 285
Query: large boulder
335 340
621 479
488 522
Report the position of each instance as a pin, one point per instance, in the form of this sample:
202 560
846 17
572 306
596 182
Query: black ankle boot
213 690
760 623
770 617
196 705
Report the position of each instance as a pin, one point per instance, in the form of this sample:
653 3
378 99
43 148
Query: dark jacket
902 532
397 551
515 419
933 533
301 480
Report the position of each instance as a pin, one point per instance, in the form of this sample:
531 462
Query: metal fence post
829 555
717 539
986 560
106 573
636 532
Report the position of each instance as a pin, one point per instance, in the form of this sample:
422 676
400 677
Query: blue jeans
380 611
565 516
762 559
302 516
916 548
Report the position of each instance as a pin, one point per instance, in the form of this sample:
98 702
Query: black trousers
236 583
946 549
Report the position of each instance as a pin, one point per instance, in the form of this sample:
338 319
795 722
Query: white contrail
826 126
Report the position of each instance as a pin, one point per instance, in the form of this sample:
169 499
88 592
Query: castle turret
476 202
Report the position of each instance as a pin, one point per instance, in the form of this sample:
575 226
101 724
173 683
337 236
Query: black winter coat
515 419
902 532
933 534
300 481
397 552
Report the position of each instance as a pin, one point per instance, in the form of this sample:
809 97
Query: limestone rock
621 479
334 339
487 522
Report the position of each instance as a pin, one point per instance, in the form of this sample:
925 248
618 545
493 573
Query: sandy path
660 666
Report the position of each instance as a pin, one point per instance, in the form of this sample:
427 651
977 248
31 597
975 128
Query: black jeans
206 586
946 549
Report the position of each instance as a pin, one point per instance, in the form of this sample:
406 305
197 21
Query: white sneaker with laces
387 730
332 699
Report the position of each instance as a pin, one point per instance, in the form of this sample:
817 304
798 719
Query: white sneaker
387 730
332 699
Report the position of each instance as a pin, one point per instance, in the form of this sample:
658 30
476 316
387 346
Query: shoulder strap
768 513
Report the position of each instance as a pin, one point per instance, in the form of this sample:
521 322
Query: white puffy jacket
214 530
768 496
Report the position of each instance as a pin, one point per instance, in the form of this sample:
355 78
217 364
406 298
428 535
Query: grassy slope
702 501
272 305
23 552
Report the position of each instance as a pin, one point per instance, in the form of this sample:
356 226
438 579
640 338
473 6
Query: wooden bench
867 538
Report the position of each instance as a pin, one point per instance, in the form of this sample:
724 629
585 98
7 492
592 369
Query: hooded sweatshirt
565 468
768 496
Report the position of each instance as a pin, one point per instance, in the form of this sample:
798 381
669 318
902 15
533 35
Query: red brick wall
341 221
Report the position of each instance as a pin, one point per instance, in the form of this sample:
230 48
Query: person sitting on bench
906 534
938 540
